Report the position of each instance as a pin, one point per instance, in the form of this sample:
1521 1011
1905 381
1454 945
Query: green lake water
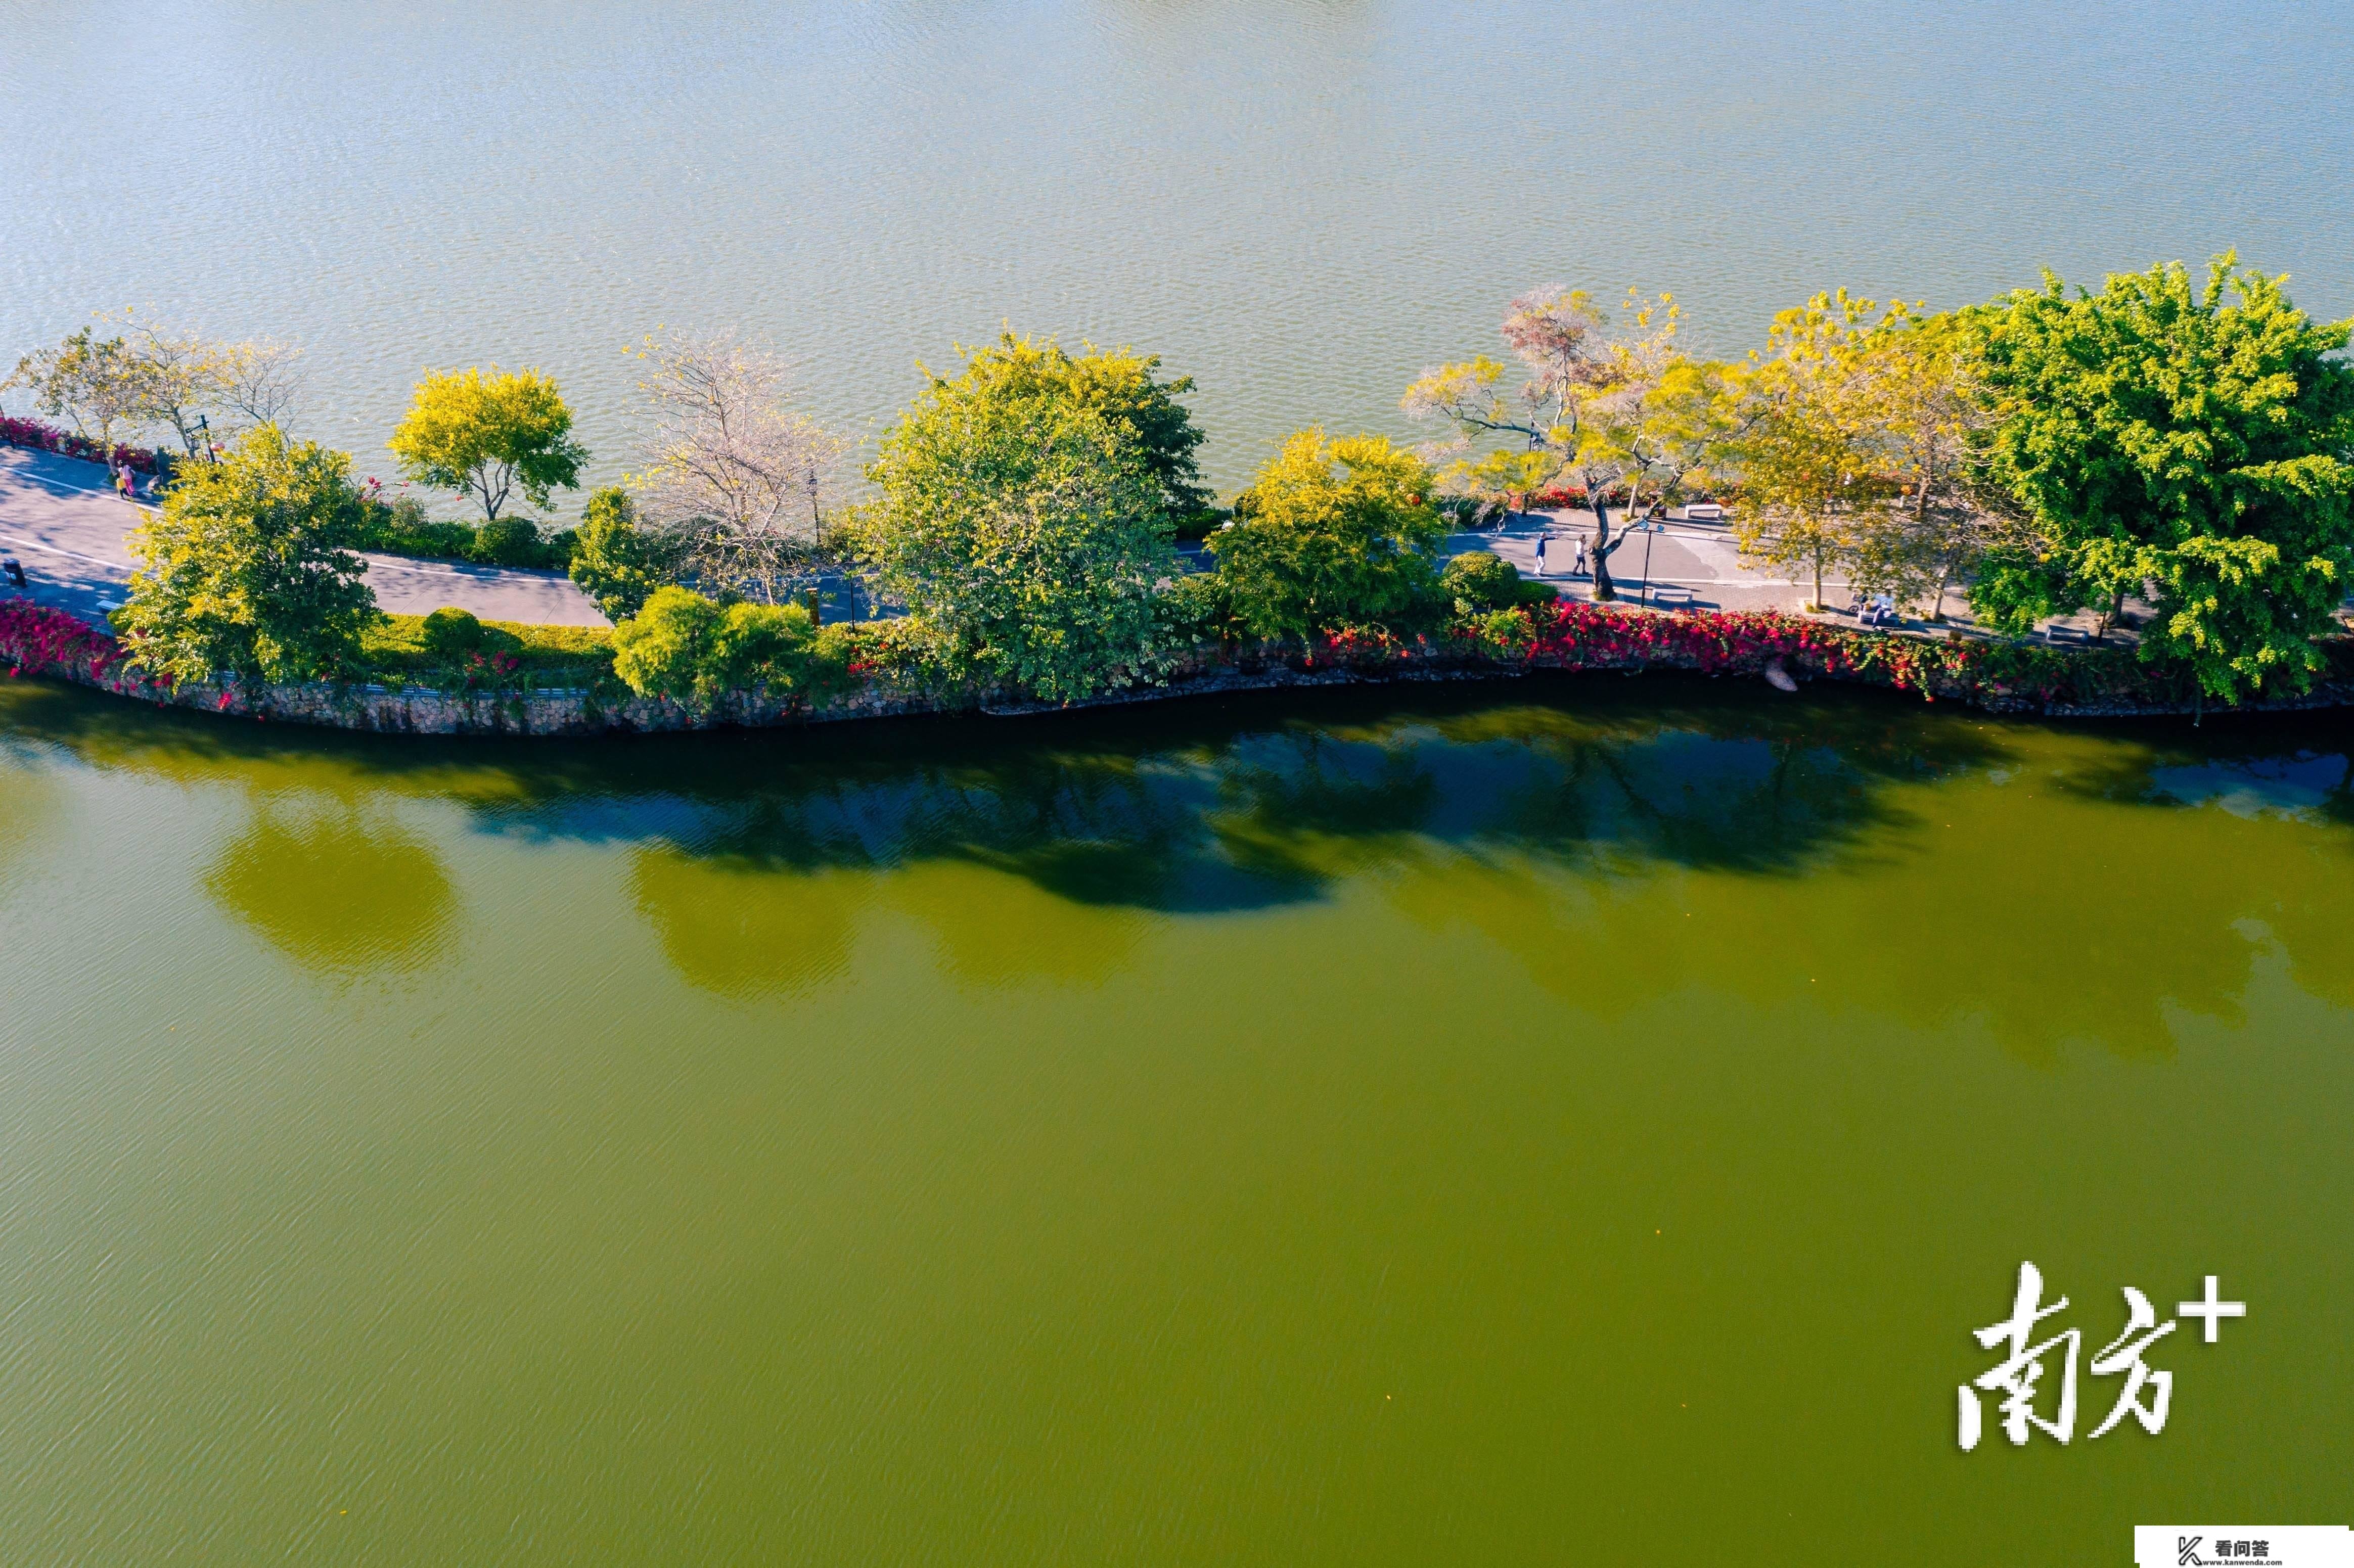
1493 1125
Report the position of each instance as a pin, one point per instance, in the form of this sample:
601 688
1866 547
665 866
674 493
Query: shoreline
2081 683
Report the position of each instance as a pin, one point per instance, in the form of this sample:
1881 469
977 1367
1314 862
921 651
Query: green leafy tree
486 436
617 562
1025 529
1120 384
101 385
1332 533
247 567
1621 415
2181 441
1805 448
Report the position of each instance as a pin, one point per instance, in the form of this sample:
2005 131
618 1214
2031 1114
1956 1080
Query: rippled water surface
1448 1128
1301 204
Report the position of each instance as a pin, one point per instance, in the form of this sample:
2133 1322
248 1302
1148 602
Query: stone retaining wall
425 711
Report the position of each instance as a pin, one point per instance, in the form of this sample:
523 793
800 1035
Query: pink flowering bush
36 641
1573 635
1578 635
40 437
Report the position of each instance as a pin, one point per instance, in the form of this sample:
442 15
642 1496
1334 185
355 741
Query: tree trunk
1817 605
1603 592
2109 616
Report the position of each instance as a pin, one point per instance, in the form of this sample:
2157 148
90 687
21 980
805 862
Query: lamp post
1649 528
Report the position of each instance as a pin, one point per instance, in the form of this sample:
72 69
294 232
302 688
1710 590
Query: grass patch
548 655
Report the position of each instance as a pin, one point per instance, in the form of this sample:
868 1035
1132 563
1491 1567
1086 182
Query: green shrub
450 632
1199 607
683 647
1193 527
615 562
509 542
1501 633
758 648
402 528
1479 581
665 651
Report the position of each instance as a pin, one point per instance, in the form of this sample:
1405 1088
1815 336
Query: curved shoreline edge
2011 680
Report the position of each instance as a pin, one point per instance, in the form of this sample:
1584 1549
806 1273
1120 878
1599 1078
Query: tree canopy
1120 385
486 436
1024 528
737 482
2184 442
615 562
1622 412
246 566
1332 533
99 383
1804 450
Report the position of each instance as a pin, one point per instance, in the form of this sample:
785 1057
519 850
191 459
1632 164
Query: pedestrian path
60 519
1687 563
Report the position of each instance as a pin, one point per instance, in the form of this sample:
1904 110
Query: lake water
1465 1127
1300 204
1476 1126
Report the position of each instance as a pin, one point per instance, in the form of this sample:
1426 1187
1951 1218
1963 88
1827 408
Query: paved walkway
1689 562
1692 564
59 517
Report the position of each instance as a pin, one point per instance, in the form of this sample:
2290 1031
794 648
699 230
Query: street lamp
1649 528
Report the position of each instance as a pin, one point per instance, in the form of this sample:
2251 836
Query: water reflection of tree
337 890
1654 828
30 811
744 929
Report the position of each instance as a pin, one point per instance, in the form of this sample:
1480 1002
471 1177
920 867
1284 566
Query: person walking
1578 565
1541 555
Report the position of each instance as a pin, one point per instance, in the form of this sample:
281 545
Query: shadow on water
1203 806
1593 828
